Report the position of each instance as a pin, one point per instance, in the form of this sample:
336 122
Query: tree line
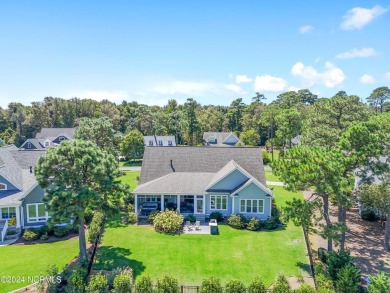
290 114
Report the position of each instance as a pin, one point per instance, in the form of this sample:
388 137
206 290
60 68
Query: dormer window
169 142
61 138
150 142
47 144
3 186
160 142
29 145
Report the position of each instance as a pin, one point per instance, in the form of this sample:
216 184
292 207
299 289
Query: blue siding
230 182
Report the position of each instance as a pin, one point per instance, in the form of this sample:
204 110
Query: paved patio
204 228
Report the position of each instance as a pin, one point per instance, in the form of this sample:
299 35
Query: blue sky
213 51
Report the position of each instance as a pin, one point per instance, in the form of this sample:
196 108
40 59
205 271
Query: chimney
31 170
173 169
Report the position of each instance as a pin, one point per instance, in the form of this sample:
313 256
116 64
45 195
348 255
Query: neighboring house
20 194
48 137
221 139
158 140
295 141
373 178
201 180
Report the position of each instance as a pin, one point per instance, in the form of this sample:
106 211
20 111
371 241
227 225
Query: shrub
379 283
88 215
237 221
190 218
31 235
257 286
271 223
167 284
305 288
122 282
152 216
323 254
46 229
95 227
98 284
368 215
60 231
211 285
348 279
336 261
44 237
323 281
12 222
276 212
144 285
266 157
168 222
254 224
281 285
130 208
217 216
235 286
76 281
132 218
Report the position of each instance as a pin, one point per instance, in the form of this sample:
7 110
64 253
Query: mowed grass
24 261
269 176
136 163
130 178
191 258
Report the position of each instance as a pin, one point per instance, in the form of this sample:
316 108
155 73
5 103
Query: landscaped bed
233 253
30 261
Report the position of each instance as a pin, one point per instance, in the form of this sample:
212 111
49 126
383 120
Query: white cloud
293 89
355 53
367 79
235 88
306 29
268 83
330 77
243 79
387 76
357 18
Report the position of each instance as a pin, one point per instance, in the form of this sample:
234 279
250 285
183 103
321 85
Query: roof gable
256 183
227 173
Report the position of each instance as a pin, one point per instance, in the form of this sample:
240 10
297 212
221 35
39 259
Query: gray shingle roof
219 137
157 161
16 169
177 183
54 132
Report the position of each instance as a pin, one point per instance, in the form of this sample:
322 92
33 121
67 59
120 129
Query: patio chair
188 225
197 225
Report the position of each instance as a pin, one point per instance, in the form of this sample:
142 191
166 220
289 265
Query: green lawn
130 178
20 261
136 163
269 176
191 258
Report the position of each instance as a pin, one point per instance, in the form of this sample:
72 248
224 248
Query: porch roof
177 183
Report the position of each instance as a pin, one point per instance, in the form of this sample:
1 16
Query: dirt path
364 239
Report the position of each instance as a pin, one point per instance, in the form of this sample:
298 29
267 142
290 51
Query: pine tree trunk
344 222
82 241
387 230
309 252
325 200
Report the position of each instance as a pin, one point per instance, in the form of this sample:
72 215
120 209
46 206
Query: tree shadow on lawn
304 266
110 258
116 223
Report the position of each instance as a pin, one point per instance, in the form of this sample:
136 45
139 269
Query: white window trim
5 186
1 213
37 217
221 196
245 212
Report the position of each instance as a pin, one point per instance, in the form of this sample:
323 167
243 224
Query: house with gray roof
202 180
20 194
159 140
221 139
48 137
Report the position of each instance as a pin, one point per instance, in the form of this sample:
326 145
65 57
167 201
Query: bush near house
237 221
61 231
95 227
254 224
168 222
132 218
151 216
31 234
271 223
98 284
190 218
217 216
12 222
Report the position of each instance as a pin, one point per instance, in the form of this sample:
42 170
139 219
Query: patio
204 228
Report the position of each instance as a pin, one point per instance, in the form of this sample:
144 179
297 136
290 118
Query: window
61 138
150 142
47 144
252 206
29 145
8 213
160 142
218 202
36 212
3 186
169 142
